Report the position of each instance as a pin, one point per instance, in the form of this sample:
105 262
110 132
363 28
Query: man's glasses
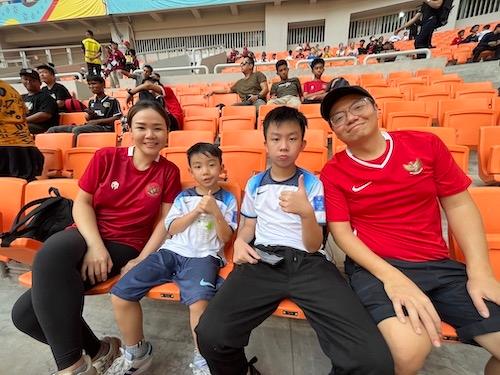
358 108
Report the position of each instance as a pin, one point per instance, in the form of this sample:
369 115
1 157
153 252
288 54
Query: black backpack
49 215
444 12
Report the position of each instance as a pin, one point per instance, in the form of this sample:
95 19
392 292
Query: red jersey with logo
173 105
392 202
314 86
126 200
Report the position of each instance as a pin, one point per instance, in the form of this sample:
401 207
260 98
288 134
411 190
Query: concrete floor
283 346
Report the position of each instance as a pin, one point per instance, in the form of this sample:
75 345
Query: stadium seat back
316 138
242 138
489 140
97 140
226 99
68 188
402 120
459 104
401 106
208 112
447 135
200 123
313 159
235 110
77 160
11 199
178 156
241 163
74 118
467 123
187 138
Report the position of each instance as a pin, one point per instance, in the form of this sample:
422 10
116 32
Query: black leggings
51 311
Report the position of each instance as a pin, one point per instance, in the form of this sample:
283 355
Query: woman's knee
60 251
22 314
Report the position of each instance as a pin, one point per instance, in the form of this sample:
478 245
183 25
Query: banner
135 6
18 12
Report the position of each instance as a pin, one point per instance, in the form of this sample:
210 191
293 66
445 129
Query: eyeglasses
244 63
358 108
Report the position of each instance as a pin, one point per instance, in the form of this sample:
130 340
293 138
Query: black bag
444 12
49 215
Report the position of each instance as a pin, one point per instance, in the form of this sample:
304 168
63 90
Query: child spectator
101 114
315 90
459 38
263 57
278 253
202 219
287 91
290 55
59 92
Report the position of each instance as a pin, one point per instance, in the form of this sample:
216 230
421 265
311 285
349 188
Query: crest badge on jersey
414 167
115 185
153 189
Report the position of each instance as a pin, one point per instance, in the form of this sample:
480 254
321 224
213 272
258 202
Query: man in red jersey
383 197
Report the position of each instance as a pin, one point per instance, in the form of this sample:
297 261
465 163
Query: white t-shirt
190 243
482 33
274 226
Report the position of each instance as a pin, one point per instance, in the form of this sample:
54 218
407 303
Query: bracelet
128 91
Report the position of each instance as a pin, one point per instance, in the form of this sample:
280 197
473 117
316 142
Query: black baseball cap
47 67
333 96
30 73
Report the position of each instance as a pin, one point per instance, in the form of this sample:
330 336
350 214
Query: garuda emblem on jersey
153 189
414 167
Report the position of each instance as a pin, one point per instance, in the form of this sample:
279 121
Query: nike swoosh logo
206 283
357 189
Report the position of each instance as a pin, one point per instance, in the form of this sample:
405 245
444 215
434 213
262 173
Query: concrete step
477 72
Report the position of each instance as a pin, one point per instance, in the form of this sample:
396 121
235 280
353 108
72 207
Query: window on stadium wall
361 27
227 40
473 8
307 31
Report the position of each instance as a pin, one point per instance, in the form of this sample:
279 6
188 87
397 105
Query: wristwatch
128 91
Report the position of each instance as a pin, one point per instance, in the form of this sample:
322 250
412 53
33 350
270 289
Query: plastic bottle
205 227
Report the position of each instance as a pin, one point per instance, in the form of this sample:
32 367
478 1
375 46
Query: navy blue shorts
443 281
197 278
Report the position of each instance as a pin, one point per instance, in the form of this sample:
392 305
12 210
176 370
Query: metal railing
343 58
58 75
426 51
204 68
363 28
60 55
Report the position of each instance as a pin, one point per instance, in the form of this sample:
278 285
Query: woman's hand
96 264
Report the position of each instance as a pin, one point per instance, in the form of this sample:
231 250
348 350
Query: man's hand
253 98
244 253
404 293
483 288
96 264
296 202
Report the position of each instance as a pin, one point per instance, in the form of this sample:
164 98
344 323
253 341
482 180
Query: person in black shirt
42 112
428 17
489 42
101 114
59 92
361 49
473 37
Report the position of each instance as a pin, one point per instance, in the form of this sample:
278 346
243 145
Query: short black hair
317 61
362 41
486 26
474 26
281 63
90 32
251 61
148 67
95 79
205 149
283 114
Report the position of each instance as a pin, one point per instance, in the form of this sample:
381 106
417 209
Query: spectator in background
58 91
20 157
152 89
252 89
473 37
263 57
42 108
361 49
101 114
147 70
405 36
131 62
486 30
351 50
394 37
370 47
300 55
232 56
290 55
326 52
341 51
117 62
459 38
306 47
92 53
315 90
313 54
288 90
274 58
489 42
245 52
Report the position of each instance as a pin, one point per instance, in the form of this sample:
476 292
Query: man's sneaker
87 370
202 370
102 363
127 365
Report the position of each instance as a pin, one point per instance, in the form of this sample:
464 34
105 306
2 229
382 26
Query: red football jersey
392 202
127 201
314 86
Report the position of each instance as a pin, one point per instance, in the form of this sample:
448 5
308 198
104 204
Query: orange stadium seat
459 104
178 156
226 99
431 98
394 77
319 123
208 112
200 123
263 111
368 78
53 147
97 140
406 86
187 138
467 122
242 138
313 159
402 120
236 122
245 111
126 140
241 163
475 93
401 106
11 199
193 100
383 95
461 156
487 200
489 154
310 110
74 118
447 135
77 160
316 137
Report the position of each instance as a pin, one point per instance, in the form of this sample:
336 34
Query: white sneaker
102 363
127 365
203 370
89 369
